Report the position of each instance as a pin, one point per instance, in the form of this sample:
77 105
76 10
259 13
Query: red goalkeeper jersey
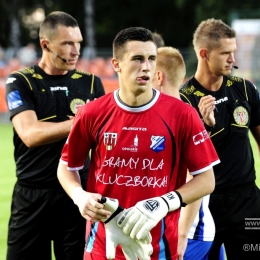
138 153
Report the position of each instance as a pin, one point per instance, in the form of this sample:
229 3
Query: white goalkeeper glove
132 248
139 220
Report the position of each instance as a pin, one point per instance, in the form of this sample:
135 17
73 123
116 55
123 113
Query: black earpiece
45 47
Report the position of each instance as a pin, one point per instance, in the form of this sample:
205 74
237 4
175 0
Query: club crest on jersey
240 115
151 205
74 103
110 140
157 143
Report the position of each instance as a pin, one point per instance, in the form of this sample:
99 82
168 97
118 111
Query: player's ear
203 53
115 64
160 77
44 44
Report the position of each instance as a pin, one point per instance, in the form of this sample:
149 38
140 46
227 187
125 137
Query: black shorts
237 220
39 216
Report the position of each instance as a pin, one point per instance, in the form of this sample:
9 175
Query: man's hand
89 205
139 220
206 107
132 248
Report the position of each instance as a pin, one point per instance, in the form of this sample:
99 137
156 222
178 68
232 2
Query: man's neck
135 100
171 91
209 82
49 69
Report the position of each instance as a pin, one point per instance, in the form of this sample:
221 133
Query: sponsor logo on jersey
157 143
57 88
221 100
151 205
130 149
14 100
134 128
134 147
75 102
200 137
10 80
110 140
240 115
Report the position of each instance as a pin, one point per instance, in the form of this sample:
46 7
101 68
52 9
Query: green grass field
7 177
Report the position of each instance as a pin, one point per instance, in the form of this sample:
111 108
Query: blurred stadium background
101 20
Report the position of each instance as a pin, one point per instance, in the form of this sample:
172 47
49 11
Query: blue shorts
197 249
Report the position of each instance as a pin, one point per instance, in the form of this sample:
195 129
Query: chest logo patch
74 103
110 140
240 115
157 143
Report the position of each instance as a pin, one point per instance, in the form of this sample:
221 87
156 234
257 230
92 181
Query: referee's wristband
209 128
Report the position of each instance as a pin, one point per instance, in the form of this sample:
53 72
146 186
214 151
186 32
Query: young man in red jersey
142 142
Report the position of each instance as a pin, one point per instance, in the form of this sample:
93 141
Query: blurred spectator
27 54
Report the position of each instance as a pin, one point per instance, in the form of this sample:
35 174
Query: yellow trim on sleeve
44 119
18 72
92 84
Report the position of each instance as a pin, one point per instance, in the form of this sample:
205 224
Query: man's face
222 58
67 46
137 66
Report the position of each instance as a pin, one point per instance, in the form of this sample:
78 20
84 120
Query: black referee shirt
237 110
53 98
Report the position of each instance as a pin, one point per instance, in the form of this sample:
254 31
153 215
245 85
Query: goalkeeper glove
132 249
139 220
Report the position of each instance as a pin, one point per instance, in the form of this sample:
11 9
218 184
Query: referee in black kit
230 108
43 101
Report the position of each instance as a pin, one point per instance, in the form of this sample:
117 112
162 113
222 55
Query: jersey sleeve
199 152
78 144
19 96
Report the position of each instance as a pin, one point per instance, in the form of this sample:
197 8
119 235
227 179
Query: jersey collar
142 108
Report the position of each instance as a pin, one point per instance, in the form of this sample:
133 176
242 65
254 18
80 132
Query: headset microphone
235 67
64 60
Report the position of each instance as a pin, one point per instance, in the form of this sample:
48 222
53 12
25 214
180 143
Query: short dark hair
130 34
51 22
